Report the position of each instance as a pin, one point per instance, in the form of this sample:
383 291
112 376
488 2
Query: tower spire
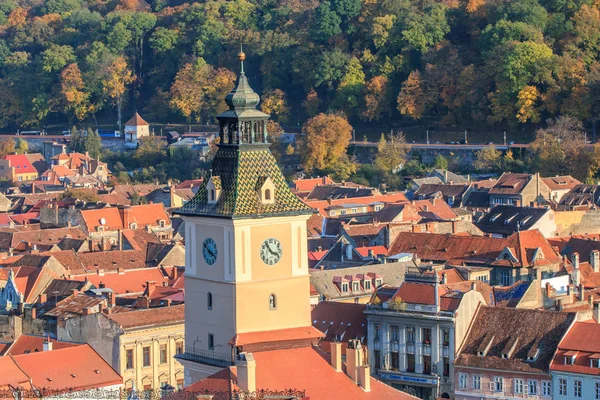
242 57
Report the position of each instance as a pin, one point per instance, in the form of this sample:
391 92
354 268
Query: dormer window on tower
213 189
266 190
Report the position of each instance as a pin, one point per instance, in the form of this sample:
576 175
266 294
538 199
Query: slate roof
334 192
495 329
477 199
505 219
453 190
581 195
239 169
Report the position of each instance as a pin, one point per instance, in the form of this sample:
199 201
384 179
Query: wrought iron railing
208 357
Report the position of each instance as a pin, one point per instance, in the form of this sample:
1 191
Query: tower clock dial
270 251
209 251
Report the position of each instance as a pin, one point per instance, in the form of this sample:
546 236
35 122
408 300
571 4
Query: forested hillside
460 63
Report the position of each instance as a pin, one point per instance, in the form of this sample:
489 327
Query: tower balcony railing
207 357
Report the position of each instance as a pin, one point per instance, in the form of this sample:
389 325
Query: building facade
246 244
413 336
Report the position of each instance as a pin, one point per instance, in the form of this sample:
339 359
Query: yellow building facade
147 357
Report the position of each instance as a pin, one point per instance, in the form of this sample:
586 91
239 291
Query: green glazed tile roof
242 170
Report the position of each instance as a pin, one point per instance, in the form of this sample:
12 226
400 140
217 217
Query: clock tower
246 243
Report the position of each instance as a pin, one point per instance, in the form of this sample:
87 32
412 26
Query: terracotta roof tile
281 335
565 182
12 376
68 369
136 120
21 163
149 317
129 281
26 344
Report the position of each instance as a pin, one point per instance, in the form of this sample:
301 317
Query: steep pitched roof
583 340
340 321
21 163
239 169
12 376
510 183
136 120
26 344
495 330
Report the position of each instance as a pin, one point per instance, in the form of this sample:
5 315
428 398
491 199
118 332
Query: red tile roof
114 218
21 163
68 369
32 344
12 376
305 369
281 335
129 281
306 185
565 182
477 250
582 340
377 250
149 317
190 183
510 183
136 120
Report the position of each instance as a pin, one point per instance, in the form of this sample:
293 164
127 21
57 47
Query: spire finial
242 56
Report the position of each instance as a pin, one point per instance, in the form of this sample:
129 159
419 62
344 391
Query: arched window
212 194
268 194
209 300
272 302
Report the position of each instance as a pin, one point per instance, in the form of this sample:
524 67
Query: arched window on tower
267 194
212 195
209 302
272 302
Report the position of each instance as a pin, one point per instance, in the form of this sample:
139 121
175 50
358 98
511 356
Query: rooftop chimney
246 372
595 260
575 260
47 345
444 278
353 359
597 313
112 300
336 356
150 286
365 377
43 298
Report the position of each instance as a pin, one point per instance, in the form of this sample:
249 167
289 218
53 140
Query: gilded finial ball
241 56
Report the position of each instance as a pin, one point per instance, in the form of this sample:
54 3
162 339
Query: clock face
270 251
209 251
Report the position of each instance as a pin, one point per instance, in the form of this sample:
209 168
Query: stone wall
577 222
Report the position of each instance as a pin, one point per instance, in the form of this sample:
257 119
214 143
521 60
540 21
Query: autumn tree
412 99
311 103
72 88
273 103
7 146
488 159
324 145
559 149
116 84
377 98
199 89
21 146
391 153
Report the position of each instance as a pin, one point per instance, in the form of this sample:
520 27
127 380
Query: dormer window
213 189
355 286
570 357
133 225
378 282
344 287
595 361
367 284
266 190
100 229
162 223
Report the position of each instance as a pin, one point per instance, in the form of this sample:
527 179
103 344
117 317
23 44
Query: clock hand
210 252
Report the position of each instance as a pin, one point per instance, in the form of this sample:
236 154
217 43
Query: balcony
206 357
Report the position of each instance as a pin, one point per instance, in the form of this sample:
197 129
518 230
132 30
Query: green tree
93 143
77 141
57 57
391 153
326 22
21 146
440 162
488 159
